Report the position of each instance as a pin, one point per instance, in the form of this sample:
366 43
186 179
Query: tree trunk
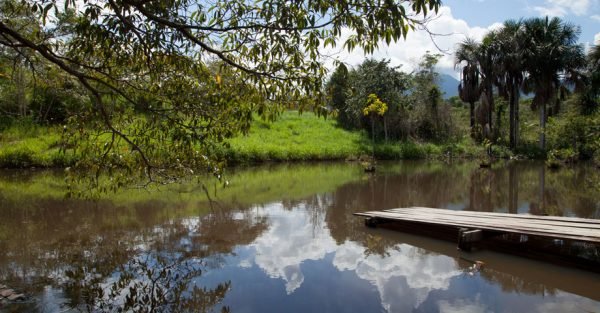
490 98
19 79
514 114
373 138
543 126
511 117
498 122
472 114
516 87
385 131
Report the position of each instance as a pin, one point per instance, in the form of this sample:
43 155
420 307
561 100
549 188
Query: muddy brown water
282 238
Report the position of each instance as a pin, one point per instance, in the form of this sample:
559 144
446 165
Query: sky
458 19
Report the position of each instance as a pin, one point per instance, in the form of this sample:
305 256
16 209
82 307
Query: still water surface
282 238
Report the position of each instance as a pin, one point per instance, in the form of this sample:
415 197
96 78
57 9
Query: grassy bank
297 137
25 144
293 137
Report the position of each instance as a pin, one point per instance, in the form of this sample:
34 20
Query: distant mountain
448 85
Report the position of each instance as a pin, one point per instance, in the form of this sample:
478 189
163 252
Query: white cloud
407 52
551 11
595 17
597 39
563 7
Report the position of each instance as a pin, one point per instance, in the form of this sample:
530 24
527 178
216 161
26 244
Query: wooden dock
473 227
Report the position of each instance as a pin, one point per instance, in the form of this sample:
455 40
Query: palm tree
589 101
510 42
469 89
550 50
594 56
487 57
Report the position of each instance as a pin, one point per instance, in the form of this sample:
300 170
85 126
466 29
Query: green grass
25 144
293 137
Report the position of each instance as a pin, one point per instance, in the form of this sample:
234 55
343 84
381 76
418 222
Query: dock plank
554 227
507 215
530 219
491 227
505 222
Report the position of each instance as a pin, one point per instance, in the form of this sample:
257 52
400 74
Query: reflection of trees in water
499 189
219 232
316 206
525 185
570 190
513 283
385 191
150 282
92 253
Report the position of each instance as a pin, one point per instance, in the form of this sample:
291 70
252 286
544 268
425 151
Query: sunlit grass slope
295 137
25 144
308 137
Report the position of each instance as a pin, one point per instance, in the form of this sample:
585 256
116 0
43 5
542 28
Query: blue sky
459 19
585 13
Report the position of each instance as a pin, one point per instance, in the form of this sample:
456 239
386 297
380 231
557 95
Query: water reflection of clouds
485 297
405 275
462 306
566 302
289 241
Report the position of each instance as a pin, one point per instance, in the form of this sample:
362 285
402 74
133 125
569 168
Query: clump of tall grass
26 144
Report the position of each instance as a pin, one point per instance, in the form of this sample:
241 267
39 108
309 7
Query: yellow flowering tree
374 107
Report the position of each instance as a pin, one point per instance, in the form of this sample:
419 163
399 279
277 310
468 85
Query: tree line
539 56
536 57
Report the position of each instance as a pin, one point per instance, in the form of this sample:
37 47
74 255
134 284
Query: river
282 238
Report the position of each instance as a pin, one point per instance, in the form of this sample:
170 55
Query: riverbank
293 137
304 137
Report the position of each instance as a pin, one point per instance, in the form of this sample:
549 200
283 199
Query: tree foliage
469 89
430 116
336 89
590 97
389 84
511 38
414 106
159 56
551 58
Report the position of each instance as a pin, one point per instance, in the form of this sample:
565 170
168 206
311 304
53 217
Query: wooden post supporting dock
467 237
